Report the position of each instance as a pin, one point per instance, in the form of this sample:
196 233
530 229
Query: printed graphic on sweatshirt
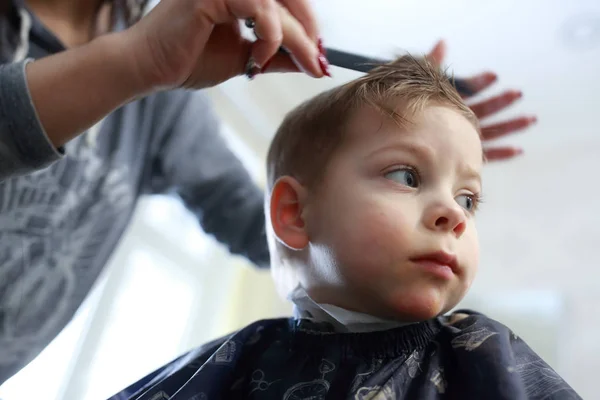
55 227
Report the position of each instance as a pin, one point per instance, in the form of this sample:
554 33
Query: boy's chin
420 306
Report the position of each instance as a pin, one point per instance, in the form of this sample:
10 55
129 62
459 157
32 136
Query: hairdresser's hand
489 107
197 43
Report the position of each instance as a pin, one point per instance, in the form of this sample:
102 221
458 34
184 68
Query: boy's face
391 227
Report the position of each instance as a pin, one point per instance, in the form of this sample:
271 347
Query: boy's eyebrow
471 173
406 146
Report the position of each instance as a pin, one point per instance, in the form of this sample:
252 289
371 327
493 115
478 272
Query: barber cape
329 353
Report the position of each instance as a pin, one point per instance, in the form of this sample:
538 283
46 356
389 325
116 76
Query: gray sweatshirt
63 211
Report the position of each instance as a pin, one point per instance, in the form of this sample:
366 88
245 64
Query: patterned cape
464 355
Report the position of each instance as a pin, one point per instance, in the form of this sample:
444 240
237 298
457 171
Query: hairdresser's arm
45 103
180 43
74 89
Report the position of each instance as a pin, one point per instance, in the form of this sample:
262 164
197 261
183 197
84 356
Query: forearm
74 89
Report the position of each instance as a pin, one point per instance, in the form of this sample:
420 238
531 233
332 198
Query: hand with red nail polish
321 62
489 107
192 44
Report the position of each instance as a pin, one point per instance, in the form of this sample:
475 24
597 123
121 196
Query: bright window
145 327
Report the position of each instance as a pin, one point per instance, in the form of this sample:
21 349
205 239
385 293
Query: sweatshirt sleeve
194 160
24 145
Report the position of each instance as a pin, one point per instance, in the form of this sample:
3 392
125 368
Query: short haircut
310 133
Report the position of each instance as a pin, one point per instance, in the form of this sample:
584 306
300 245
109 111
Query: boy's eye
467 201
404 176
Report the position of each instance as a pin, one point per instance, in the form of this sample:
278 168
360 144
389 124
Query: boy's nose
447 218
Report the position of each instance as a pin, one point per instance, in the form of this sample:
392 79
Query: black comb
360 63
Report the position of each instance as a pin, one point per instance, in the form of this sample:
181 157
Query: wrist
127 69
149 77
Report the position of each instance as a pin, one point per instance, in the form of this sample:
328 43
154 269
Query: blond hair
310 133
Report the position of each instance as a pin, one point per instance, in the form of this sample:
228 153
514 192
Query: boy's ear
286 209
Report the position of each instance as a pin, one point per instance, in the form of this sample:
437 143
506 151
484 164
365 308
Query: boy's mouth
439 262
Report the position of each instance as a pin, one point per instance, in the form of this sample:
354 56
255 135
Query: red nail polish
324 64
320 46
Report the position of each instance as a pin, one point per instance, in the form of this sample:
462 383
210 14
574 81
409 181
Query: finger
303 12
505 128
280 63
300 47
501 153
480 82
269 32
495 104
437 54
264 13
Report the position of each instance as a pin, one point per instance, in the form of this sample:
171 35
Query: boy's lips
439 262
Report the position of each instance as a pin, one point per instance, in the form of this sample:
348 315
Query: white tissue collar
343 320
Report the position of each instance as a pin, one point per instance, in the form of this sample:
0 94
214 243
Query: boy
372 192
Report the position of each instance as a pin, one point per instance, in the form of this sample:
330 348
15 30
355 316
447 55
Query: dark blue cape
464 355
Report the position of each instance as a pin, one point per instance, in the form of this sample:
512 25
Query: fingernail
252 68
320 46
324 64
518 152
533 120
518 93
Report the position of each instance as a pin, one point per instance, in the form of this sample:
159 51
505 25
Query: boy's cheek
373 239
385 234
470 252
